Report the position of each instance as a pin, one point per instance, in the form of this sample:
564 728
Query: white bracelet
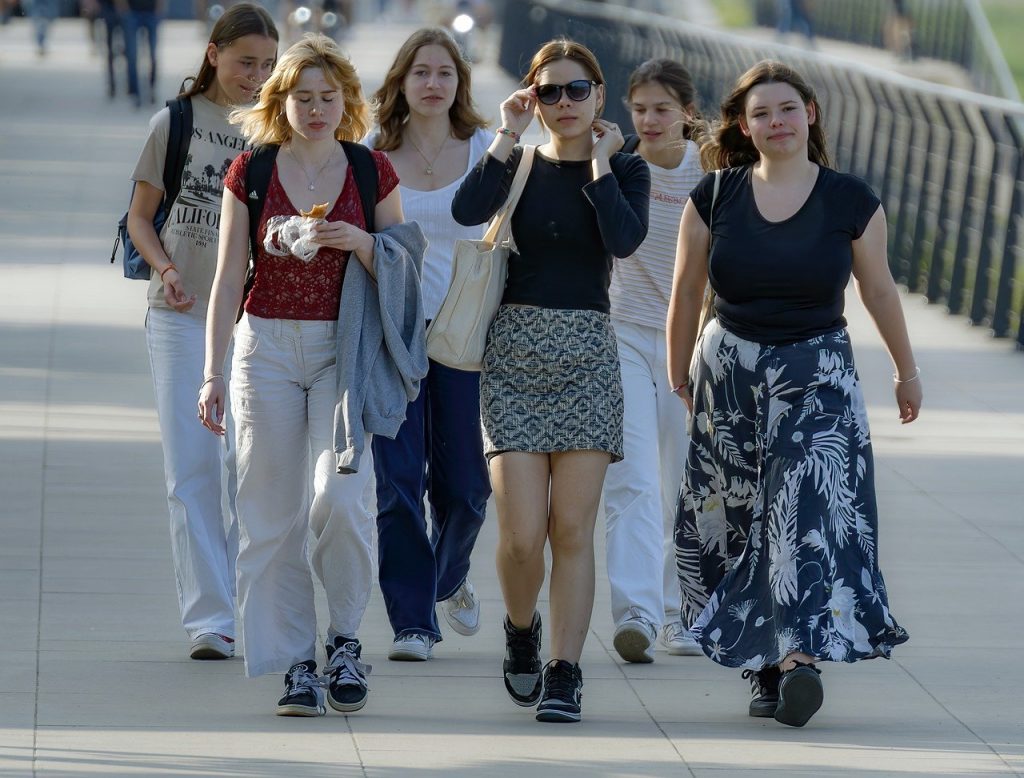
917 374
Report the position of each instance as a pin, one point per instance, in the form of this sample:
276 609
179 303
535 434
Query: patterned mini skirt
551 382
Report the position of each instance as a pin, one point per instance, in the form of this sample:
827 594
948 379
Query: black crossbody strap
631 144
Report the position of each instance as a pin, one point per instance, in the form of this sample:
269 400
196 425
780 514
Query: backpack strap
178 140
630 146
257 181
364 170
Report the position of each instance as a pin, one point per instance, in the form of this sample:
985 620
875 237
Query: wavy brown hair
677 81
266 122
563 48
391 107
237 22
729 147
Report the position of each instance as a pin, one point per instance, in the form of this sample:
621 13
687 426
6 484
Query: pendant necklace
429 169
312 180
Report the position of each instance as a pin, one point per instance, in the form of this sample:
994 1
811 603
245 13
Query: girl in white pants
183 257
640 491
284 383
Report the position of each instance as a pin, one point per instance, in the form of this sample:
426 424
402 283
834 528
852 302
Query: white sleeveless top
642 283
433 211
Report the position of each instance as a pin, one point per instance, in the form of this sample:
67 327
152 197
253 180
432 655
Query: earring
280 118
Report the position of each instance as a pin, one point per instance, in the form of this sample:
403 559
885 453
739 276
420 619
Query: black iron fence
950 30
947 164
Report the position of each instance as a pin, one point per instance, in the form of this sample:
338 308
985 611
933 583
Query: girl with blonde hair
288 375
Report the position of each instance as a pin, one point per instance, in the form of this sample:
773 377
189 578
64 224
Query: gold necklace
311 180
429 170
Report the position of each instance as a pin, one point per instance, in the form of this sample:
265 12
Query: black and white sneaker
522 667
800 694
303 693
764 691
563 692
346 675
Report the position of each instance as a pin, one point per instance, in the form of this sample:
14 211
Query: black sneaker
800 695
303 695
563 692
346 675
764 691
521 667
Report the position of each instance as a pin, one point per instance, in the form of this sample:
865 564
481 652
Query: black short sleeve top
782 282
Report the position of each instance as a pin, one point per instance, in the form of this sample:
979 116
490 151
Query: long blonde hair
266 122
393 109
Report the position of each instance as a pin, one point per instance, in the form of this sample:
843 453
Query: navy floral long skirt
776 529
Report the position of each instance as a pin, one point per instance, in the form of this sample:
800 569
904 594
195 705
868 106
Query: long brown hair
677 81
729 147
237 22
563 48
391 107
266 122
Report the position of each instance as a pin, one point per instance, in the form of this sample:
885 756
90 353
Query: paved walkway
93 674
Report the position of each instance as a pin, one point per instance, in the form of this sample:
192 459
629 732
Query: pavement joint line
957 719
355 744
629 682
974 525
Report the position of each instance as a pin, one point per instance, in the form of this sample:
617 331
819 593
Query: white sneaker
210 645
634 639
411 648
462 610
678 641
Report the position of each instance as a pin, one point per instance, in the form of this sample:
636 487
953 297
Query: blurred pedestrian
141 16
899 30
640 491
795 15
777 530
42 13
433 135
311 340
237 60
551 390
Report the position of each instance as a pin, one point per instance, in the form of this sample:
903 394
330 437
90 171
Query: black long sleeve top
566 226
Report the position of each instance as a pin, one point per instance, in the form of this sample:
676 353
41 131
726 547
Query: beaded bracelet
917 374
510 133
170 266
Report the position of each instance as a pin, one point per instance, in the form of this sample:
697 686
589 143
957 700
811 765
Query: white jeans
640 492
283 394
202 548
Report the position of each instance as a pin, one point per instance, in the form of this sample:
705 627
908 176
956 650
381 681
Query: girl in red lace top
284 384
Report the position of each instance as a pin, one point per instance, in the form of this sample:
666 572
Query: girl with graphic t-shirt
433 135
777 528
238 58
640 491
285 378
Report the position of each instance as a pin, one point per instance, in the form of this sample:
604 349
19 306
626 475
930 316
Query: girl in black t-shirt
776 529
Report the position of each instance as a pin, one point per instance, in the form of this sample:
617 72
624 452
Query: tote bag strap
500 228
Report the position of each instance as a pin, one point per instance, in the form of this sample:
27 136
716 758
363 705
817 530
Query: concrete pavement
93 673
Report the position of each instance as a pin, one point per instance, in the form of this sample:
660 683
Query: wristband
170 266
510 133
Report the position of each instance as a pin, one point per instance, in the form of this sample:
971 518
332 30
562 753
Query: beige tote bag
457 335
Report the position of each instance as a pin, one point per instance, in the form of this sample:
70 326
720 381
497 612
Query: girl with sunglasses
550 390
640 492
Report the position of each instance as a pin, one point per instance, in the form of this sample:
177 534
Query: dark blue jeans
132 22
438 452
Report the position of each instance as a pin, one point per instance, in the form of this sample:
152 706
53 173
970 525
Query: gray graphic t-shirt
190 235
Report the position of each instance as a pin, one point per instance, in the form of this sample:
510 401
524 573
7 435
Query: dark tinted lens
578 91
549 93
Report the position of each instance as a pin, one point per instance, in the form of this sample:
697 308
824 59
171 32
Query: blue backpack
174 167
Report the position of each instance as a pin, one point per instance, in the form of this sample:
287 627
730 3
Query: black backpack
178 139
257 181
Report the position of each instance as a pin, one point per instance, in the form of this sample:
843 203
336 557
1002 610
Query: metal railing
954 31
946 163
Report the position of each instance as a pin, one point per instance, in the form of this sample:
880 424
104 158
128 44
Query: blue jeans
133 21
438 452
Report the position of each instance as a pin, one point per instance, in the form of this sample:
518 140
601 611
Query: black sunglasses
577 91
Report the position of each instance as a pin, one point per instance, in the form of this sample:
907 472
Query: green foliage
1007 20
738 13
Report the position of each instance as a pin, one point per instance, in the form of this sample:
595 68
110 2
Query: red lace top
287 287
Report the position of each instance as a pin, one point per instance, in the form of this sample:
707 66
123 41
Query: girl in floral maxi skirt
776 531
